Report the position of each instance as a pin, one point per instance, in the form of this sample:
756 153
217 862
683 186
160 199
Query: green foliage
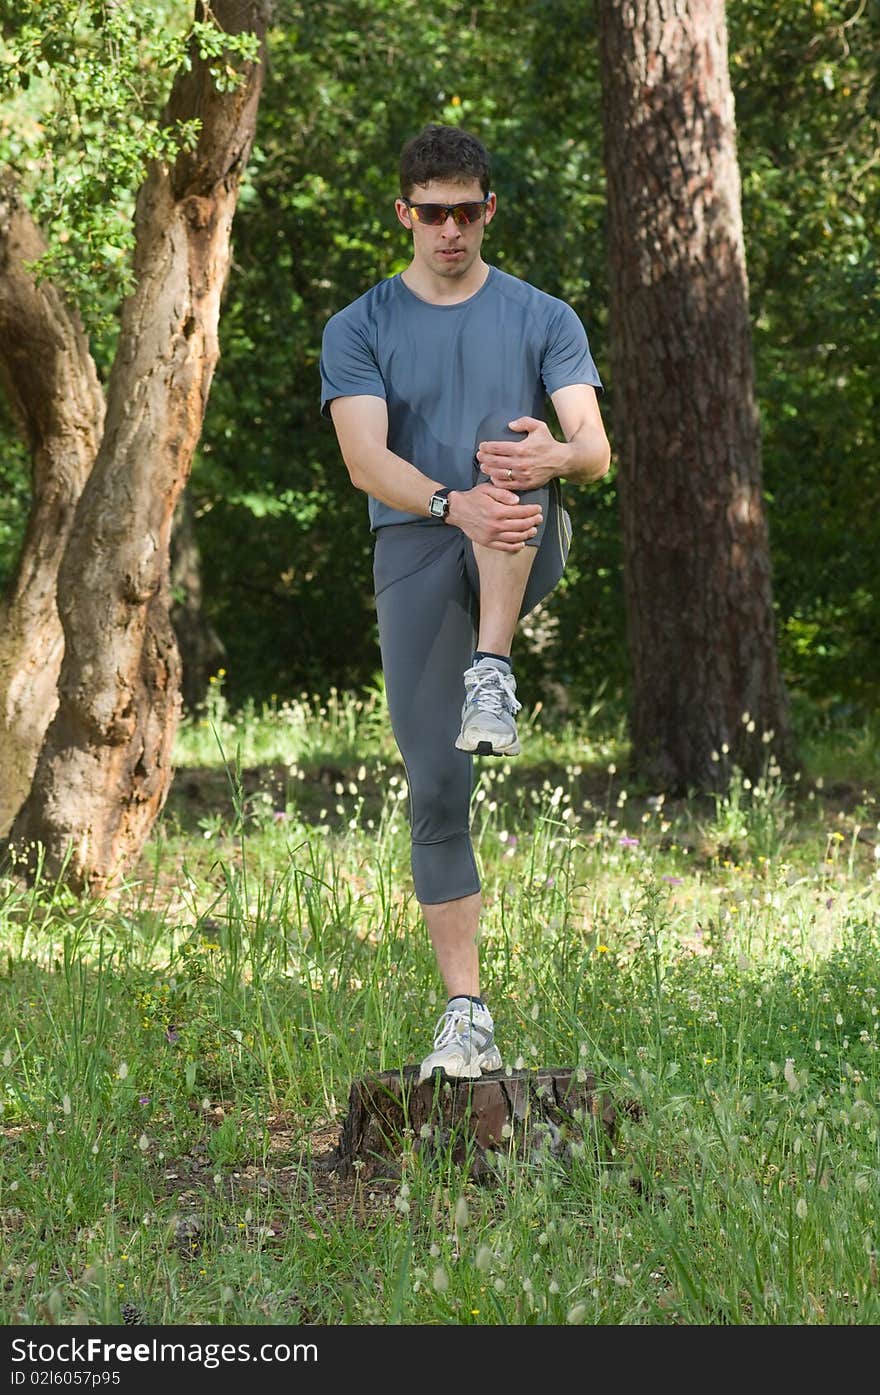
286 546
807 83
14 492
317 228
175 1062
87 85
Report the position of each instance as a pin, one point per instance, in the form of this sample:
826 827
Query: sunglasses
435 214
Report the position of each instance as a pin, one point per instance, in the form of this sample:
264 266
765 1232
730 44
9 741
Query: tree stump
460 1120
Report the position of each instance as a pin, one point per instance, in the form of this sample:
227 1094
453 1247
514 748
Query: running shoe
464 1043
487 717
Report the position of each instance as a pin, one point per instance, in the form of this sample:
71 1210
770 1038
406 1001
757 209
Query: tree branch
52 384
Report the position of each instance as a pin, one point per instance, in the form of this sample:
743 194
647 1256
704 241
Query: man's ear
491 207
403 214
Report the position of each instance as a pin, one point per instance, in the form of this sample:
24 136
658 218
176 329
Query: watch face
438 506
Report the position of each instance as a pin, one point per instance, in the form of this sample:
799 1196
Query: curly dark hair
443 152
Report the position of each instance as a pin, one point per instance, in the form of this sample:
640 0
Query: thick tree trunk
706 685
467 1121
50 379
202 651
105 768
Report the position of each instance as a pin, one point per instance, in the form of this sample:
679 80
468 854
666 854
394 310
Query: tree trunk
202 651
105 767
705 680
467 1120
52 384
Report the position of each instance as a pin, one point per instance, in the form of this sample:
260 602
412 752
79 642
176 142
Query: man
435 380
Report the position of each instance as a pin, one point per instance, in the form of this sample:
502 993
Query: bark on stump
390 1112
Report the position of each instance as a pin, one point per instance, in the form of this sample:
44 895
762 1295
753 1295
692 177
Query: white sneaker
464 1043
487 725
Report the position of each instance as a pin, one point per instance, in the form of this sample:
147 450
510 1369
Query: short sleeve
348 365
567 359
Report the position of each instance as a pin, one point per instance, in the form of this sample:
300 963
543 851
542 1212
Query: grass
175 1058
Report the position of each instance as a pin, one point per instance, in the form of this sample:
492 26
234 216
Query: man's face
448 249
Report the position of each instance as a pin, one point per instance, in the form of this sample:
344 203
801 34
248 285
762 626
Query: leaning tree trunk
706 685
52 385
105 767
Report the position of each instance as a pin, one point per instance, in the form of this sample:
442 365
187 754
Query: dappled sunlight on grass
177 1057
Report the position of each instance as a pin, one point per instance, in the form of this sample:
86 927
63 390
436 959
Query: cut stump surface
390 1113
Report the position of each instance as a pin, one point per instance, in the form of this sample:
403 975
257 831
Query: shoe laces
451 1025
491 690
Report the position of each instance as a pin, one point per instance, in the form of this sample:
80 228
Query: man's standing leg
453 927
426 584
424 604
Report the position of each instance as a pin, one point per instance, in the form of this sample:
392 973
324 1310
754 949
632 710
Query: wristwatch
438 504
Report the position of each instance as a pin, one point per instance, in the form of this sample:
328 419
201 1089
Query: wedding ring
510 474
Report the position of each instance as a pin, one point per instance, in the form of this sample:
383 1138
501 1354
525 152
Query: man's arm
487 514
586 452
361 425
584 455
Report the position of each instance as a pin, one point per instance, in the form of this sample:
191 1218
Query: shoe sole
462 1074
486 748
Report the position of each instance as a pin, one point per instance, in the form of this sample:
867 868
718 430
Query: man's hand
527 464
493 516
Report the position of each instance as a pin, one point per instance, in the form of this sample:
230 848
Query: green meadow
176 1056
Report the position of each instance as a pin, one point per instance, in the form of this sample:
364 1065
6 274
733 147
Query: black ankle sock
479 1001
484 654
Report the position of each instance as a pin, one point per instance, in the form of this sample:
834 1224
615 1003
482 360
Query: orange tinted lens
432 213
467 212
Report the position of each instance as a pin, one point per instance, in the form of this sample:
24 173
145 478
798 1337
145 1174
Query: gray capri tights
427 604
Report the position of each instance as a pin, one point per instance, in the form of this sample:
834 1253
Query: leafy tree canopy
83 86
284 536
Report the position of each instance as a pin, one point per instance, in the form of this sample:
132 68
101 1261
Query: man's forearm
491 516
586 457
393 480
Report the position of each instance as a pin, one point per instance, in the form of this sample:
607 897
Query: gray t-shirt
443 370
